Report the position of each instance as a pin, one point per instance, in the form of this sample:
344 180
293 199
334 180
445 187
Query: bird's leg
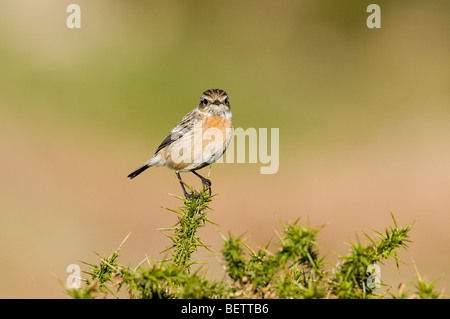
205 181
186 194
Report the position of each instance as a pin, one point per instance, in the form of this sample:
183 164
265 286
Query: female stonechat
199 139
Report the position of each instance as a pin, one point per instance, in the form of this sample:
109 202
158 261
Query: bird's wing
183 128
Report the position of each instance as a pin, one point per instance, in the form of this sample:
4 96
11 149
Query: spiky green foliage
294 270
351 276
191 217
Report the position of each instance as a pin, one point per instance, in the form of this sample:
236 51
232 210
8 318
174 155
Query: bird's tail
139 170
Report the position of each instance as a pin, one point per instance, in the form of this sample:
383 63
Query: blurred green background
363 114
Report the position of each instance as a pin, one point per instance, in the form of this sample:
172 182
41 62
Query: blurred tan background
363 115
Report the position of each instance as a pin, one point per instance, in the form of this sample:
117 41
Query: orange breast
216 122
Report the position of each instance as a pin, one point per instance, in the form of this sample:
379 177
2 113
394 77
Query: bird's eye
204 101
226 100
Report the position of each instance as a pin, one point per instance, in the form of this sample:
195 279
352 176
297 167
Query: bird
199 139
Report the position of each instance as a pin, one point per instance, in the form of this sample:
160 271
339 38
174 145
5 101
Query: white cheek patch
228 115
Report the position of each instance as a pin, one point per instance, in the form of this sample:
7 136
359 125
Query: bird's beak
216 102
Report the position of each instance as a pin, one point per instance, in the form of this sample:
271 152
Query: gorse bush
294 270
